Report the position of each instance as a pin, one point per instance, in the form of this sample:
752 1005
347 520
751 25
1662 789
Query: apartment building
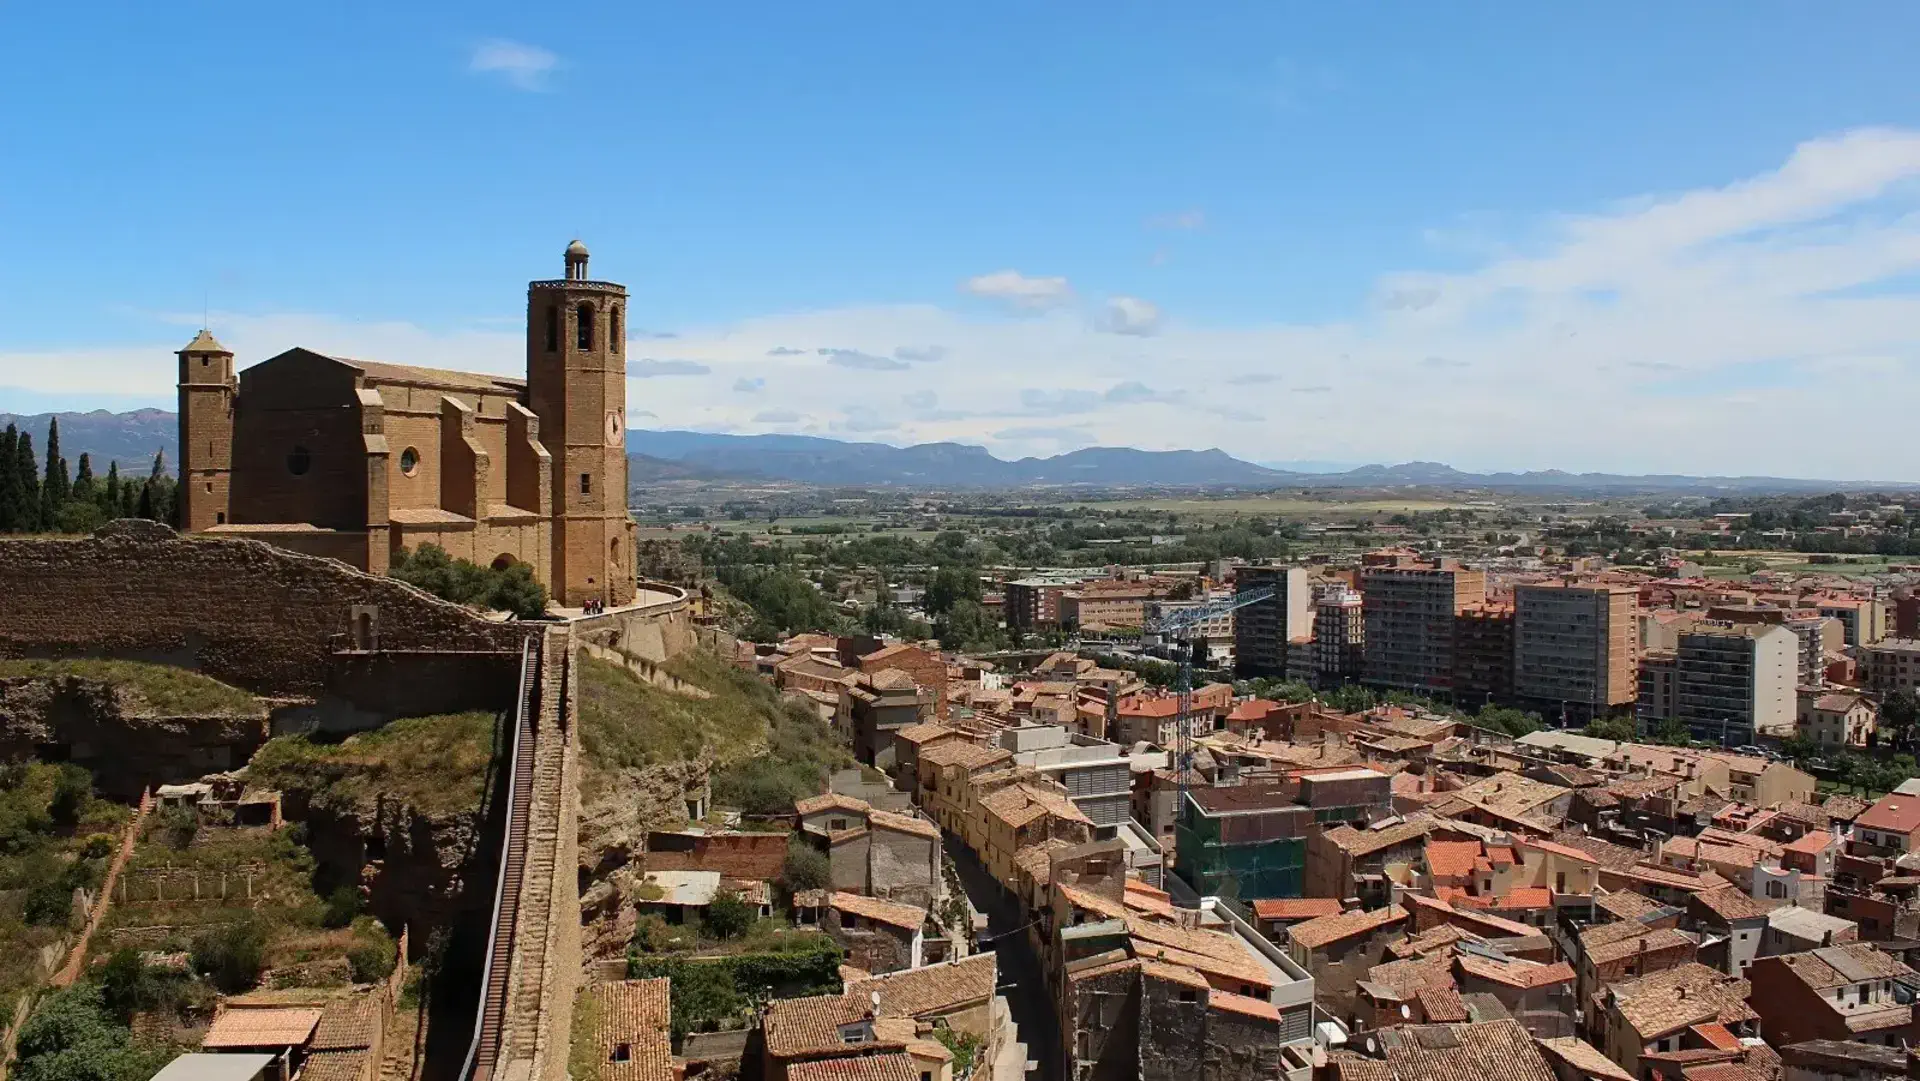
1339 636
1862 619
1109 604
1575 646
1094 773
1409 610
1730 683
1033 603
1483 654
1891 665
1262 632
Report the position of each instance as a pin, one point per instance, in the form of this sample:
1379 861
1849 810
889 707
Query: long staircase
483 1055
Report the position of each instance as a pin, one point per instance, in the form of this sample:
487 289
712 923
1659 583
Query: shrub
729 915
72 1037
231 956
126 984
179 825
343 904
651 934
49 904
807 868
72 788
373 960
463 581
97 847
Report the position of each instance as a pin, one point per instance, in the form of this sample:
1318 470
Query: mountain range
659 456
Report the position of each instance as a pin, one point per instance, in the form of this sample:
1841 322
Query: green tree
969 627
109 495
1614 728
9 480
949 586
806 868
1898 713
83 479
231 956
127 985
27 484
463 581
71 1036
729 915
53 490
72 789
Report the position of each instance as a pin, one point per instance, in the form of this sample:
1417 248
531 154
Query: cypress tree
9 482
144 509
26 476
129 499
83 480
53 490
110 492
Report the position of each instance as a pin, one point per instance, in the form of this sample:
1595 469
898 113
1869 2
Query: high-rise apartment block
1410 609
1483 654
1033 604
1339 636
1576 646
1729 682
1262 631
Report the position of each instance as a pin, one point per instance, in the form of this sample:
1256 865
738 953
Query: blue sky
1518 236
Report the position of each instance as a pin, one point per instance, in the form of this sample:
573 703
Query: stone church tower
207 390
577 386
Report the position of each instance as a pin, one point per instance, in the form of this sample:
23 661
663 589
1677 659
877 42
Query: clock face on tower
616 430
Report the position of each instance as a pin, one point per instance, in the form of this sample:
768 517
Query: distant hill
131 439
663 456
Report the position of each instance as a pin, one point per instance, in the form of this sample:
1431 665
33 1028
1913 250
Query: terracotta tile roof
1452 859
1811 843
1822 969
1605 853
1626 904
1092 902
636 1013
1035 859
1729 903
1845 808
1528 897
1180 974
1207 951
1893 812
920 827
811 1026
1487 1051
1437 937
1124 964
810 899
888 1066
1679 997
1316 933
921 733
830 801
1441 1004
933 990
1559 849
905 917
273 1026
1244 1005
1641 940
1483 923
1366 842
335 1066
1295 908
1716 1036
1516 972
1669 876
1728 1071
348 1023
1406 977
1149 904
1584 1058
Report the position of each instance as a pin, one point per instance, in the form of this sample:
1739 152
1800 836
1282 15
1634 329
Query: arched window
299 460
553 328
613 330
583 327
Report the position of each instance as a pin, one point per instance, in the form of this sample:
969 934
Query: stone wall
269 620
903 867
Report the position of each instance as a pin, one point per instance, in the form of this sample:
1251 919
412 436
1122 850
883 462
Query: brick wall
260 617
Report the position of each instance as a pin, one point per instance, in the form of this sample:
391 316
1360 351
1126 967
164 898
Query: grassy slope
765 751
167 689
438 764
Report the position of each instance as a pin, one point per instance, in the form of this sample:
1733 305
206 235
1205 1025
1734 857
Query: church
357 460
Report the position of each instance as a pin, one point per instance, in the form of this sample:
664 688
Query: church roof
205 342
433 377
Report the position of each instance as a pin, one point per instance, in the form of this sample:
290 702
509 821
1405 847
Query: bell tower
577 386
208 392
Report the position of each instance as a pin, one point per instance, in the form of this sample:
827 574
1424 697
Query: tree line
58 498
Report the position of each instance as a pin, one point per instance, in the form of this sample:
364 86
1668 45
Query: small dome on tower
576 248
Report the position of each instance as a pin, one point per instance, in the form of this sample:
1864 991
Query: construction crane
1178 625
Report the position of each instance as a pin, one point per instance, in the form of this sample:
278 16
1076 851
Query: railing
490 1015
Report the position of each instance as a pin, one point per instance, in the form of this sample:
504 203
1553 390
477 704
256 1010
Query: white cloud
650 367
523 66
1183 220
1131 315
1676 333
745 385
854 358
1020 291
